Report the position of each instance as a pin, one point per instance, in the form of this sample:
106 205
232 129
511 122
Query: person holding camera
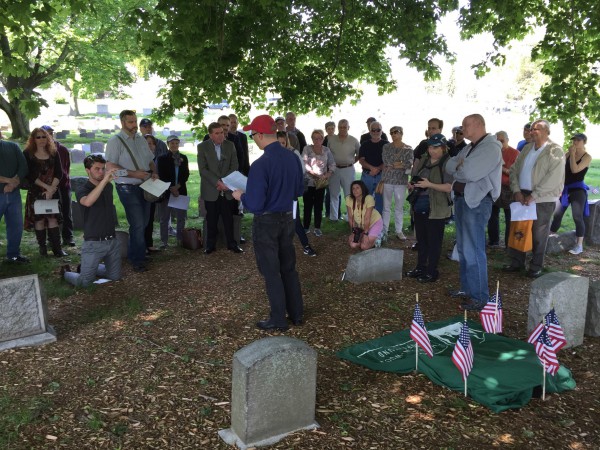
365 221
431 204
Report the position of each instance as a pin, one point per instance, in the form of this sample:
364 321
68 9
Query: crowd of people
467 179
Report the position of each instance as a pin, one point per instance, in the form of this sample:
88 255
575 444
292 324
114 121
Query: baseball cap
145 122
457 129
437 140
527 126
262 124
47 128
580 137
371 119
173 138
278 118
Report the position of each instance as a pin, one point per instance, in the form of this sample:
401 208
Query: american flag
418 332
555 332
547 356
491 319
462 356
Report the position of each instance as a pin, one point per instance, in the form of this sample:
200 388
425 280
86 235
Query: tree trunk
18 121
73 100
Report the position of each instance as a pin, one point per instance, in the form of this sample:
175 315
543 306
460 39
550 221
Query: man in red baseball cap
274 183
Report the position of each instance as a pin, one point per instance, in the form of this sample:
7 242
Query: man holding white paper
174 169
537 176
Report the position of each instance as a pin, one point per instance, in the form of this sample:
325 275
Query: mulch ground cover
146 362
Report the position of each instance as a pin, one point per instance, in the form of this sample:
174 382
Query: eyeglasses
375 130
253 134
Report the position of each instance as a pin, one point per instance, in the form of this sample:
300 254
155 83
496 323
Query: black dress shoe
534 273
236 249
511 269
415 273
296 322
267 325
427 279
139 268
209 250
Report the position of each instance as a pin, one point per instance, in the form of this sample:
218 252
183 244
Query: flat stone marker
97 147
592 318
592 223
273 392
375 264
77 156
23 314
561 243
568 294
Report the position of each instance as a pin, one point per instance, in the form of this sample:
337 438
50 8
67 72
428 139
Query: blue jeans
470 243
137 211
11 210
371 183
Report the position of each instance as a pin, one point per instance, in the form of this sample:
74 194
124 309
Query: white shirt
525 181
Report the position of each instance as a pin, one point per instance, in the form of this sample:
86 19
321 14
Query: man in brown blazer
216 159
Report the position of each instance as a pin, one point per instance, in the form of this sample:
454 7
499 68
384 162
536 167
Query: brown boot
54 238
41 238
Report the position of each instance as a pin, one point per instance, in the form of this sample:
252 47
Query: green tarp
505 371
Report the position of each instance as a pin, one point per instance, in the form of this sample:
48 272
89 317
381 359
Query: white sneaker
400 235
576 250
318 232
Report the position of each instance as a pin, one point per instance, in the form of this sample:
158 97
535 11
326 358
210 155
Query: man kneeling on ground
99 218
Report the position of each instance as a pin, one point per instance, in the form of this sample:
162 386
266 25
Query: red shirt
509 156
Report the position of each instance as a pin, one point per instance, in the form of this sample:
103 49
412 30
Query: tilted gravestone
273 393
376 264
568 295
97 147
592 318
592 223
77 156
561 243
23 314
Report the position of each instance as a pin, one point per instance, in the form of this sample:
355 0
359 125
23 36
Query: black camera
356 232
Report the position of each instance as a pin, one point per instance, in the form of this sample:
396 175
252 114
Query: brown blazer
212 170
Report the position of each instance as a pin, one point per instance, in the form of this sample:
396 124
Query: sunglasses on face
41 137
375 130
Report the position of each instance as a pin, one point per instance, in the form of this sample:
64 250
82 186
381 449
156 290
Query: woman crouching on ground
364 220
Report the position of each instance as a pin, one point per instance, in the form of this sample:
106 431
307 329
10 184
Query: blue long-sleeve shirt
274 182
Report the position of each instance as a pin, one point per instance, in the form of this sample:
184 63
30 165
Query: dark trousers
150 226
430 234
224 208
494 225
577 200
313 198
276 260
299 228
540 231
64 194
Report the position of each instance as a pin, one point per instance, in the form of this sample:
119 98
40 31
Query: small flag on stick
545 352
555 331
418 332
491 315
462 356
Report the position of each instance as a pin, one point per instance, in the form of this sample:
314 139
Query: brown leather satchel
192 238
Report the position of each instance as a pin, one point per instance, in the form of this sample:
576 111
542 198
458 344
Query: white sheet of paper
235 180
520 212
45 206
294 209
102 281
180 202
155 187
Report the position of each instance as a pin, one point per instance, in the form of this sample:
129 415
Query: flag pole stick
417 347
466 375
544 381
496 311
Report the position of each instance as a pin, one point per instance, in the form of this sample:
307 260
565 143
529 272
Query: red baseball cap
262 124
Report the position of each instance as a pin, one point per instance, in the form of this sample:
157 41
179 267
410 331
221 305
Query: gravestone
23 314
90 135
97 147
106 131
61 135
85 148
102 110
561 243
592 317
568 294
66 131
273 392
77 156
176 133
221 241
376 264
592 223
82 134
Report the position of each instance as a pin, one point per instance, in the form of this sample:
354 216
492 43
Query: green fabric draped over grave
505 371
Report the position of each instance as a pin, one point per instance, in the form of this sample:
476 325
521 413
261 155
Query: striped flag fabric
555 331
545 352
535 334
491 315
418 332
462 356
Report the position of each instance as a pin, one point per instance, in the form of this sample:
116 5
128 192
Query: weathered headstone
97 147
273 392
90 135
102 110
568 294
561 243
592 223
376 264
23 314
61 135
77 156
85 148
592 318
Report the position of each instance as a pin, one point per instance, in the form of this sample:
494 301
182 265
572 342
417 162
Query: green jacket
440 206
12 162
